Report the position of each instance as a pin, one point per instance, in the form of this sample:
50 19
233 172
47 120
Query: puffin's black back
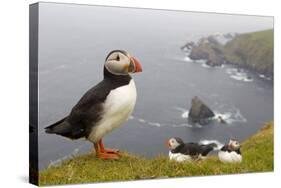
88 111
226 148
194 149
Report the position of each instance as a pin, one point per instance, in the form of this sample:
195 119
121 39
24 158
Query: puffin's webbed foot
107 153
107 156
107 150
112 151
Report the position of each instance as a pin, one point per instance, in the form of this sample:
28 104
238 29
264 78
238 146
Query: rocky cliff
253 50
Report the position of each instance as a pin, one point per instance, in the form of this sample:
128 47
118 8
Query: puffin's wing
83 115
205 149
89 108
189 149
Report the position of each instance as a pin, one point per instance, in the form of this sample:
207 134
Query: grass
257 157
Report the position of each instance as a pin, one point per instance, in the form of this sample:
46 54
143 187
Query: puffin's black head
175 142
119 62
233 144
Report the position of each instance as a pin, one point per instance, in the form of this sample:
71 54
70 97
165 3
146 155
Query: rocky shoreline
252 51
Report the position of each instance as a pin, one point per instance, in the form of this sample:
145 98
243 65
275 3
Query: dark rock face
215 57
208 49
199 112
199 52
189 45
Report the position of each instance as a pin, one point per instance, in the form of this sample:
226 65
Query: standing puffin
180 151
230 153
105 106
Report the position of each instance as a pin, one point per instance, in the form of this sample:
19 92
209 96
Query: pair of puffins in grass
180 151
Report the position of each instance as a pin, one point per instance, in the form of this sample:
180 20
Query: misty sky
148 21
106 28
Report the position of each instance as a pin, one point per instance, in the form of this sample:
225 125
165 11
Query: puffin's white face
234 144
173 143
121 63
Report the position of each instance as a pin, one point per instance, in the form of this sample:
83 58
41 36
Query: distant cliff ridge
252 50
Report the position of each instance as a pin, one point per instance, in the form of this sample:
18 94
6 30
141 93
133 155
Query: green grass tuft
257 157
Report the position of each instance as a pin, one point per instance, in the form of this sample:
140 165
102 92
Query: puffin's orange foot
112 151
107 156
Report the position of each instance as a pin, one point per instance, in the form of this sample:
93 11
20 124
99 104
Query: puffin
180 151
104 107
230 152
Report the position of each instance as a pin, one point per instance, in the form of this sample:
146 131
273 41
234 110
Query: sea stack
199 112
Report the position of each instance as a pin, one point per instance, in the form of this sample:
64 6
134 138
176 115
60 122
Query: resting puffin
180 151
105 106
230 153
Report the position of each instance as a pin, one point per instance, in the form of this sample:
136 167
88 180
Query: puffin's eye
118 57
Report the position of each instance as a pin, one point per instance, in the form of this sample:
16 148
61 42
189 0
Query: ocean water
74 41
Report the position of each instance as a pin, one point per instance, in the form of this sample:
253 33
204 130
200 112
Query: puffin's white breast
117 108
229 157
179 157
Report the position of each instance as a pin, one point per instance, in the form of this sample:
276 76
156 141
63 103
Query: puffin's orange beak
168 144
137 64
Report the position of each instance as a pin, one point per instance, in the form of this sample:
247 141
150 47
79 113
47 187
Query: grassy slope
254 50
257 156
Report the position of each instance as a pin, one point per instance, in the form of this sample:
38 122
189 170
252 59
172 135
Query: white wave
239 74
142 120
197 125
205 142
225 116
203 61
154 124
131 117
187 59
231 117
185 114
264 77
243 78
206 65
182 125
